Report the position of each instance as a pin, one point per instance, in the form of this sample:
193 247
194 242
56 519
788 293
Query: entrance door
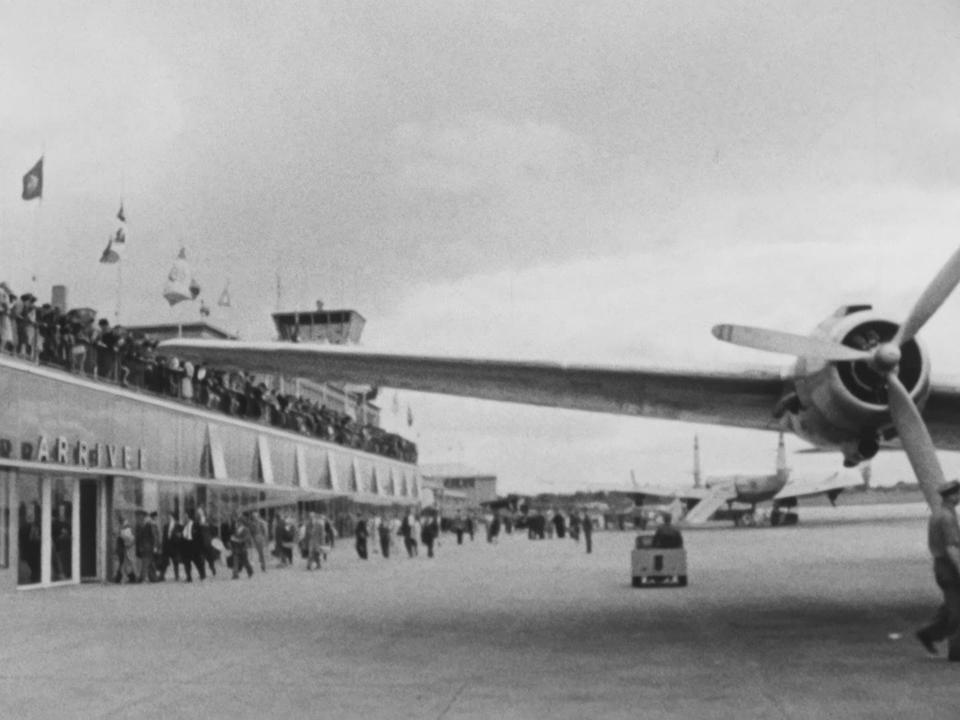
89 511
61 520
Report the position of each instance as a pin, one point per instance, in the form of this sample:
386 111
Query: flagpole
119 290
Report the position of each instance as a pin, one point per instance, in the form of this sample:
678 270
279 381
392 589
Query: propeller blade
915 439
933 297
788 343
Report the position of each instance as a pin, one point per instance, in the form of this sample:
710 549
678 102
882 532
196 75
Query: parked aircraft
860 379
742 493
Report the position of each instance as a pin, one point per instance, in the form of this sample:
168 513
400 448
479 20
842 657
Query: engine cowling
845 403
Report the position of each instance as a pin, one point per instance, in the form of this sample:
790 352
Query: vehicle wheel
682 580
637 581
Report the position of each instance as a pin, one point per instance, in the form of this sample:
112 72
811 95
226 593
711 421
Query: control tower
338 327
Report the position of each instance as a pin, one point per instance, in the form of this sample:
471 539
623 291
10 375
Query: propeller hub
887 356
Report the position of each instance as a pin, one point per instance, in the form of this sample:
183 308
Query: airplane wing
665 493
742 399
806 488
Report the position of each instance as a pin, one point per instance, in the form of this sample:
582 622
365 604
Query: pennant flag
194 289
119 237
409 417
204 310
177 287
120 216
110 255
224 300
33 182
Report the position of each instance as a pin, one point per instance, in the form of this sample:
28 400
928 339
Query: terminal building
464 487
81 454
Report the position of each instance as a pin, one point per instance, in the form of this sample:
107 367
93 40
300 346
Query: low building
478 487
447 502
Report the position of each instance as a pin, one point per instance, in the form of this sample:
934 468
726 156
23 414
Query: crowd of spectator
76 341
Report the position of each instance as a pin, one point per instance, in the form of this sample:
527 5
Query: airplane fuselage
750 489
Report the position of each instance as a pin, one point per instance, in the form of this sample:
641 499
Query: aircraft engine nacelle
845 403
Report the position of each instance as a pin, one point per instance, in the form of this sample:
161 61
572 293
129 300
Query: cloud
484 155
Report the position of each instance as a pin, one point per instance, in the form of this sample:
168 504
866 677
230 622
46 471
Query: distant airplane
859 380
708 496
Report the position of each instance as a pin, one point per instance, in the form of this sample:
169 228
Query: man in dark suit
588 531
207 551
361 534
171 538
428 533
191 548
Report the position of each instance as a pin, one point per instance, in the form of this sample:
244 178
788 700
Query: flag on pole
109 256
33 181
224 300
204 310
119 237
177 287
120 215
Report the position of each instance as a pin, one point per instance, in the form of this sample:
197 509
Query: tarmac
797 622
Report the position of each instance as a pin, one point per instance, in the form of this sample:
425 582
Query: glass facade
30 531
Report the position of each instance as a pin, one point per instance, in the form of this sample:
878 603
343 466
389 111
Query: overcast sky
595 181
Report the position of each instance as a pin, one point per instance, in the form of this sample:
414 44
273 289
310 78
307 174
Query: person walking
191 548
384 535
588 531
259 533
239 541
560 525
459 527
148 545
428 533
313 536
416 529
493 528
205 533
361 533
943 539
126 554
170 547
406 531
